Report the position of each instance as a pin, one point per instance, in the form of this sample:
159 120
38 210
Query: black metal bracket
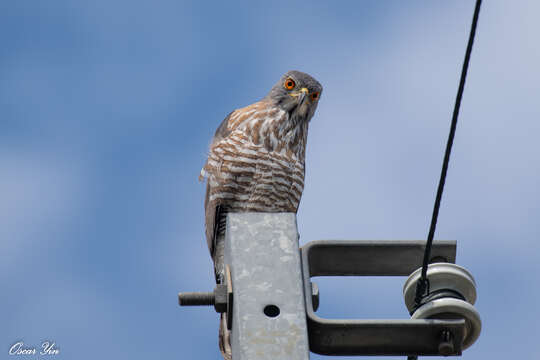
376 337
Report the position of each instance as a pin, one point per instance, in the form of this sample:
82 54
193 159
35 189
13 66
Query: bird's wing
211 214
215 211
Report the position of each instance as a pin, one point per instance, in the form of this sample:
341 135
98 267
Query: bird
256 163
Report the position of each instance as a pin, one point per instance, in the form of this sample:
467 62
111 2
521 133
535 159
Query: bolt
446 346
196 299
218 298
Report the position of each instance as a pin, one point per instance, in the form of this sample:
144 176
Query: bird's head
298 94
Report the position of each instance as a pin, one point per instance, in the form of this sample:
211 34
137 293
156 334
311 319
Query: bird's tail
224 338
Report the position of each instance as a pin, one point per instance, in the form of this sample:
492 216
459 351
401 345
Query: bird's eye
314 96
289 84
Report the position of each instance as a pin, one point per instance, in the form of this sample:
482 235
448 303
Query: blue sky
106 113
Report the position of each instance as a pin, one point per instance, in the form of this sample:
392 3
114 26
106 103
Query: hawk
256 162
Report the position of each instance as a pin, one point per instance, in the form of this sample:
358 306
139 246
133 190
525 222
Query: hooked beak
302 95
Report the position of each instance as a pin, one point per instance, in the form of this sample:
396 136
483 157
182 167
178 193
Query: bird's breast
252 178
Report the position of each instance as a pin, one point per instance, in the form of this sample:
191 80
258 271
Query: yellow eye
314 96
289 84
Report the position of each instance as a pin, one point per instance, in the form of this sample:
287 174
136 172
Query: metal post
270 300
269 314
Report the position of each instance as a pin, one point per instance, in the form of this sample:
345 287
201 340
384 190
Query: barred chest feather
259 166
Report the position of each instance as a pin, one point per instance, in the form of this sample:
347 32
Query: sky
107 109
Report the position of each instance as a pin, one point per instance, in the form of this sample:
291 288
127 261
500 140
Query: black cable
422 286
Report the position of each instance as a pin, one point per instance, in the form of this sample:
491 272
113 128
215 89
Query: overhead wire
422 286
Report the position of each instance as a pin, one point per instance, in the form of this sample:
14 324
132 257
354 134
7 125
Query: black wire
423 284
450 141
